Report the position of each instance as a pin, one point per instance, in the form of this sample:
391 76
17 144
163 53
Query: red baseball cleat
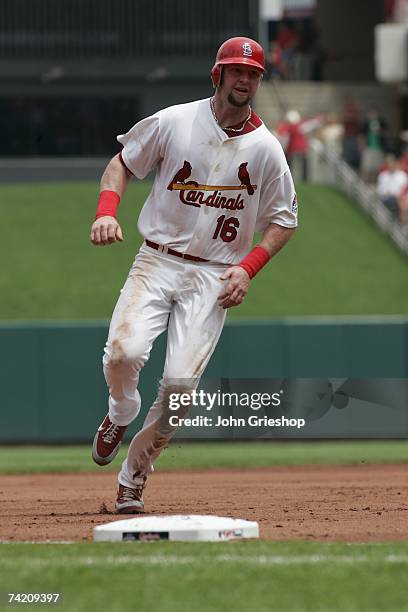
107 441
130 500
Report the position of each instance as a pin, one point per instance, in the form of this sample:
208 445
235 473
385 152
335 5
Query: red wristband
107 204
255 260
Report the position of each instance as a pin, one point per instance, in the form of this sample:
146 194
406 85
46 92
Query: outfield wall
52 386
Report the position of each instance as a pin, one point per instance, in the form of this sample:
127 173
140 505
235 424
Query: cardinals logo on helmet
247 49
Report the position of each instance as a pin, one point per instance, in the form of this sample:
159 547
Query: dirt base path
349 503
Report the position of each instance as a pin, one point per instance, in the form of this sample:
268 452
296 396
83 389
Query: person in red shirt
275 66
287 40
292 134
404 152
286 36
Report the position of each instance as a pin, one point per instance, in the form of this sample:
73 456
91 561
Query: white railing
341 175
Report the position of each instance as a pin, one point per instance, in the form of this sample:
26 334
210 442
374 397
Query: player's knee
124 352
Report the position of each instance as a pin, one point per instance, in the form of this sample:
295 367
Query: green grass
337 262
238 576
217 455
247 576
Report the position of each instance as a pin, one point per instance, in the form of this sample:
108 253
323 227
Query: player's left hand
237 287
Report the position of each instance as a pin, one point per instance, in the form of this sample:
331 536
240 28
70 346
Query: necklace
230 129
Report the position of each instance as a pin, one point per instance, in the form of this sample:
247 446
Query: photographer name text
253 420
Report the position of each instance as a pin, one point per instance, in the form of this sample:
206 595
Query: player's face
239 83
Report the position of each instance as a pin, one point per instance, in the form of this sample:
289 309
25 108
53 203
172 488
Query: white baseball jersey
211 192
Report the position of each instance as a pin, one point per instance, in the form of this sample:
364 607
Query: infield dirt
348 503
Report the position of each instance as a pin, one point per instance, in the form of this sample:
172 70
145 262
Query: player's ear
215 76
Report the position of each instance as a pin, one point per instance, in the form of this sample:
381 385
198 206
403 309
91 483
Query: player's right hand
105 230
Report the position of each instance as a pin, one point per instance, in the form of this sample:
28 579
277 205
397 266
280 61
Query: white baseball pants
162 291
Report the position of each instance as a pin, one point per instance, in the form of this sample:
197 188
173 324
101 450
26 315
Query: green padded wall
52 386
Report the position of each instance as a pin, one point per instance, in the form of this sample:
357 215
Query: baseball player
220 176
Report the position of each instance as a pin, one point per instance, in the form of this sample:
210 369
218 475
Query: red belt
163 249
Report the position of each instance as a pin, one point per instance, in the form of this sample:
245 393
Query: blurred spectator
292 134
351 131
400 13
287 40
389 10
373 130
331 134
391 184
275 66
404 161
403 200
403 207
301 54
285 36
396 10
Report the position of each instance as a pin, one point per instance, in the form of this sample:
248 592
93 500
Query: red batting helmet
238 50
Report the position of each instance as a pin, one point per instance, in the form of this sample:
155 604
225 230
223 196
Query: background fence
53 387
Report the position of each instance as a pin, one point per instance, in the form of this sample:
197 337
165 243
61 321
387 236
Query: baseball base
177 528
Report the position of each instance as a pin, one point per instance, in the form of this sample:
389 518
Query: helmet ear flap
215 76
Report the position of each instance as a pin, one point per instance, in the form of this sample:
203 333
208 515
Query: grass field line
257 560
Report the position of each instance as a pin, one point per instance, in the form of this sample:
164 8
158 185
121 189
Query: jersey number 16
226 228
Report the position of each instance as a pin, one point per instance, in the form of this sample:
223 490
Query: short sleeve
141 146
278 203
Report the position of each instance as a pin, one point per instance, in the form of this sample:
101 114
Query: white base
177 528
